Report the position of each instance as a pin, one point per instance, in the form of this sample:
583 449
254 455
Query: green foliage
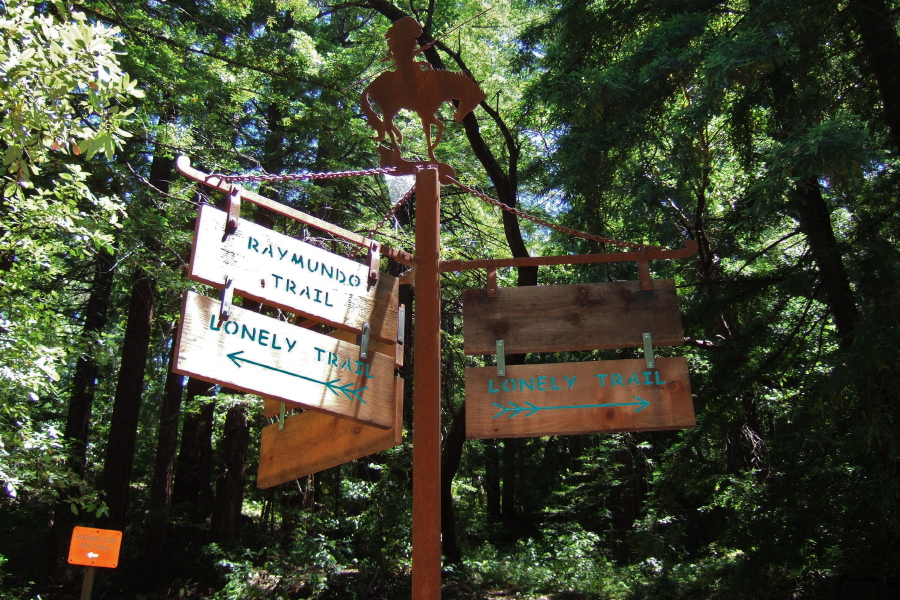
62 89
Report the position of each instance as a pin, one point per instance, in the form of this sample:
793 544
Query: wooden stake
87 585
426 520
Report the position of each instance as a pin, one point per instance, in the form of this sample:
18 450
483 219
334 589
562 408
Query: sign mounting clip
364 341
648 351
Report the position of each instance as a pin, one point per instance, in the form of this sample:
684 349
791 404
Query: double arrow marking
344 389
514 409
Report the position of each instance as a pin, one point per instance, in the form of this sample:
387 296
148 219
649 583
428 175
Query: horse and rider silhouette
414 86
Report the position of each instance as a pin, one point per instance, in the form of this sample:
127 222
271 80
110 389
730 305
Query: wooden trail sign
313 441
582 397
556 318
261 355
95 547
282 271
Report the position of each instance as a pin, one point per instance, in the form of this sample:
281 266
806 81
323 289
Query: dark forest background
766 131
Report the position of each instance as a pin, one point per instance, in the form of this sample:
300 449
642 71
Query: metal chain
545 223
306 176
390 214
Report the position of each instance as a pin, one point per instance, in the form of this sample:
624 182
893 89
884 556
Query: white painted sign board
272 358
285 272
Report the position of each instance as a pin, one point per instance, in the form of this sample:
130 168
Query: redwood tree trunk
193 467
86 370
166 453
225 526
127 403
881 48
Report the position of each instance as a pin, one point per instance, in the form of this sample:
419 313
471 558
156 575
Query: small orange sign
95 547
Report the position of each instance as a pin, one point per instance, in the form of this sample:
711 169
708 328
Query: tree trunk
815 221
492 478
877 30
450 459
166 453
225 526
127 403
193 468
84 383
84 380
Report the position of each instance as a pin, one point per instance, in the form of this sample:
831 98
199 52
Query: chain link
393 211
554 226
305 176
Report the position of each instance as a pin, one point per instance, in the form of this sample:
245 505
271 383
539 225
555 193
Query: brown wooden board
265 356
581 397
556 318
313 441
282 271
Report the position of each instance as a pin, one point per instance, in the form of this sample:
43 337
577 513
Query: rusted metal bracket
374 258
226 297
639 256
183 163
492 282
644 274
233 208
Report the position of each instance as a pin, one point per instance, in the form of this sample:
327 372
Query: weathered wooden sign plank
313 441
581 397
281 271
261 355
557 318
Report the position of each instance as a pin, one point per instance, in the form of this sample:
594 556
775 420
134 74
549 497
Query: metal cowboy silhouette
414 86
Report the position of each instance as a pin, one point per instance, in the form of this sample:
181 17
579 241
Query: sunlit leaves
61 88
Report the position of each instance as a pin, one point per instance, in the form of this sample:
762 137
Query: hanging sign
314 441
282 271
269 357
556 318
581 397
95 547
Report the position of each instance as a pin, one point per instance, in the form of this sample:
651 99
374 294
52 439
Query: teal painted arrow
344 389
514 409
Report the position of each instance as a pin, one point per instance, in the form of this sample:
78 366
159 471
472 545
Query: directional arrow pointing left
92 555
236 358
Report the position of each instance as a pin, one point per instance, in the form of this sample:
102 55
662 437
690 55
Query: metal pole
426 519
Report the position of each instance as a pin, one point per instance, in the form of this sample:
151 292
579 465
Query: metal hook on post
648 351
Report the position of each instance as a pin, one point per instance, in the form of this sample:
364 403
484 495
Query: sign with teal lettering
575 398
285 272
272 358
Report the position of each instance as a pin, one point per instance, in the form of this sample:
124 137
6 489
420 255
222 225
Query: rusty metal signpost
346 379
